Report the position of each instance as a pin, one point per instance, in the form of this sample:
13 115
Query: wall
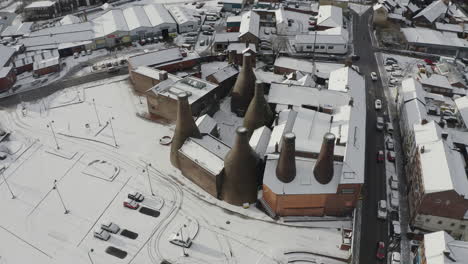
47 70
322 48
8 81
249 37
142 83
198 175
162 106
281 70
456 228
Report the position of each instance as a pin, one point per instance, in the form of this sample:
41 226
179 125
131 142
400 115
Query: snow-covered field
97 165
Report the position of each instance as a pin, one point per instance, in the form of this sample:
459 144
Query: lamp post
149 180
112 128
4 179
53 133
60 196
95 110
89 255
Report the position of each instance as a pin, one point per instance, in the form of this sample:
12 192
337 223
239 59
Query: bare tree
278 44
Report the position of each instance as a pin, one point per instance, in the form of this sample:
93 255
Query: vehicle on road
83 53
393 182
110 227
380 156
129 203
380 123
394 216
395 259
391 156
208 33
389 127
136 196
89 52
394 199
373 76
101 234
76 55
428 61
382 210
380 250
389 144
177 240
199 5
113 69
389 68
378 104
395 229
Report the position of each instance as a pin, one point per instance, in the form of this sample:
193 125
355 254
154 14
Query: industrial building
40 10
249 30
329 41
172 59
186 21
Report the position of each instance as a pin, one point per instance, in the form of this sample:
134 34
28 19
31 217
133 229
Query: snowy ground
97 164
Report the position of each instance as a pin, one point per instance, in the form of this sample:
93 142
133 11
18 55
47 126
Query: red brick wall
445 204
198 175
47 70
7 82
142 83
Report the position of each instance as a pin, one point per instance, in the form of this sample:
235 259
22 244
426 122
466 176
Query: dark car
207 33
355 57
380 250
394 216
136 196
380 156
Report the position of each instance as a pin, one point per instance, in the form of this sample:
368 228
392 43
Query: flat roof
5 70
155 58
227 37
17 30
39 4
437 80
304 182
5 54
294 64
336 35
196 88
412 89
426 36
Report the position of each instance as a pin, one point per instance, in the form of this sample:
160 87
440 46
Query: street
374 189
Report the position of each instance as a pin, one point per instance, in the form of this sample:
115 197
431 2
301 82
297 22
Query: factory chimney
185 127
258 113
240 166
286 168
243 89
323 170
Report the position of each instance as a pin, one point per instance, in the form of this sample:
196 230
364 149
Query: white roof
69 19
412 89
46 63
158 15
415 112
433 11
304 182
294 64
155 58
462 106
18 29
135 17
330 16
259 140
439 244
207 152
336 35
442 168
227 37
241 47
182 15
225 73
196 88
250 23
112 21
433 37
234 19
5 54
437 80
5 70
459 28
205 124
39 4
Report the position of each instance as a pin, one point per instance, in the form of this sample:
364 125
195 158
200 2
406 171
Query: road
373 230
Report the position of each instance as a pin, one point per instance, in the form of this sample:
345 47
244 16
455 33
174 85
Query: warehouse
162 22
111 29
186 22
330 41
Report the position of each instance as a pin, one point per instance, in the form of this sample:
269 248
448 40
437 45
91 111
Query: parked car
113 69
202 42
389 68
382 210
391 156
390 59
101 234
355 57
89 52
389 144
397 74
394 216
389 127
209 33
393 182
380 250
428 61
136 196
110 227
373 76
395 229
380 123
3 155
396 67
380 156
76 55
199 5
83 53
378 104
129 203
395 258
394 199
177 239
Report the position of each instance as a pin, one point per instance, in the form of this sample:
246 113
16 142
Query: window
308 47
317 47
428 220
462 227
439 222
322 47
330 47
452 224
347 191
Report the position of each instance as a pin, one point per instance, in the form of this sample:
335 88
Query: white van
207 28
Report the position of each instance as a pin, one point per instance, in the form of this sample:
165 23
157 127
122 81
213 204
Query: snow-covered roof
52 37
40 4
5 70
234 19
442 167
304 182
437 80
225 37
462 106
259 140
412 89
330 16
428 36
112 21
250 23
205 124
280 16
224 73
158 15
5 54
135 17
441 248
241 47
415 111
294 64
208 152
182 15
433 11
196 88
336 35
155 58
458 28
69 19
17 30
412 7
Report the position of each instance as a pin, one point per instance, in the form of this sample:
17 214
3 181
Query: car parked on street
391 156
380 250
110 227
382 210
378 104
395 259
380 156
380 123
393 182
394 199
129 203
76 55
101 234
136 196
373 76
178 240
389 144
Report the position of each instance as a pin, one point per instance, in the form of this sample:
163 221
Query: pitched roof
250 23
433 11
330 16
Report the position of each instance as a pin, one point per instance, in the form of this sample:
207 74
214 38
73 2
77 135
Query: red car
429 62
380 250
380 156
391 156
129 203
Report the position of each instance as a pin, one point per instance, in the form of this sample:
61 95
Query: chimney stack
231 56
323 170
258 113
185 127
162 75
286 168
240 171
243 90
